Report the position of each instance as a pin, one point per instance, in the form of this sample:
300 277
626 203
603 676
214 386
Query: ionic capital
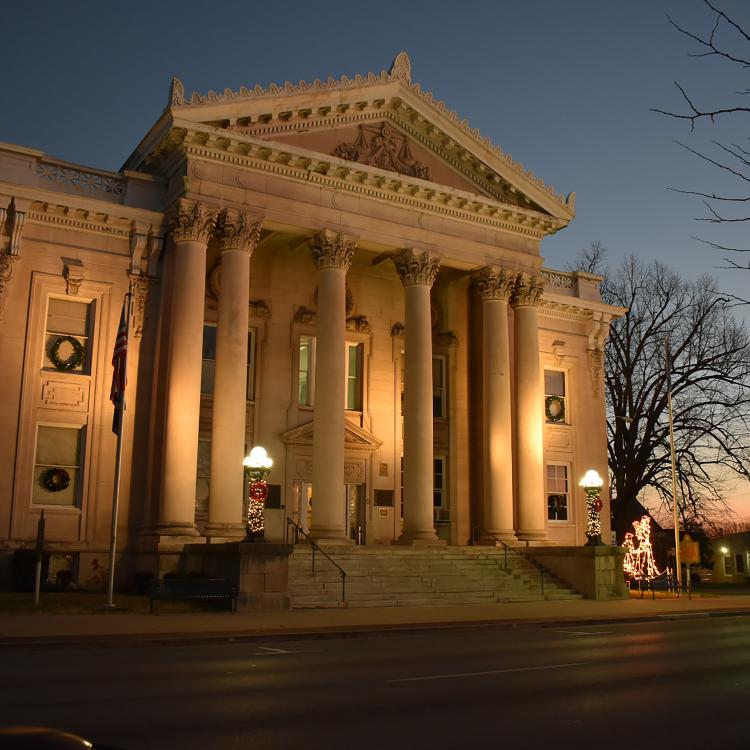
417 267
192 221
238 231
332 250
527 290
493 282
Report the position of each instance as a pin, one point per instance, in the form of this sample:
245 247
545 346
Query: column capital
417 267
527 290
191 220
332 250
493 282
238 230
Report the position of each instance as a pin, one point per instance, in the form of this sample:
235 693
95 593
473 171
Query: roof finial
176 93
401 68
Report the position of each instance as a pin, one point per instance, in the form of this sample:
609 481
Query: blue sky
564 87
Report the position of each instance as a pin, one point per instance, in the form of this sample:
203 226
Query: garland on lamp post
257 469
592 485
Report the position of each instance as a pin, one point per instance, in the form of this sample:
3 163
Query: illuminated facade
344 272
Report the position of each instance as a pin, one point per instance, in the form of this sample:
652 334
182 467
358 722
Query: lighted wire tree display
639 564
257 468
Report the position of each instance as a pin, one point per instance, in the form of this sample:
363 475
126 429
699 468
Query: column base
217 532
327 536
175 529
493 538
531 535
420 539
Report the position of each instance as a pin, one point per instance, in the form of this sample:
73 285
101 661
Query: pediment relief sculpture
384 147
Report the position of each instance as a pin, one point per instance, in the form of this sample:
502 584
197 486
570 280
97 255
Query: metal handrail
315 548
507 548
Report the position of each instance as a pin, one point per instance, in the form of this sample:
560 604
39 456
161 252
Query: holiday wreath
74 360
554 409
56 480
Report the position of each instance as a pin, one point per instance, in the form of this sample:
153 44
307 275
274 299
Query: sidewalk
205 626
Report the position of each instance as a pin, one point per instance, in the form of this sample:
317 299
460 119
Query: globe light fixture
592 484
257 469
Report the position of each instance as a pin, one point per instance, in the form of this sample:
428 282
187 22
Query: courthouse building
344 272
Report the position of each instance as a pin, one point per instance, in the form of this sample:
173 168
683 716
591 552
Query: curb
182 638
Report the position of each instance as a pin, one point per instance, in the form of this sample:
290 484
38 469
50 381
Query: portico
352 278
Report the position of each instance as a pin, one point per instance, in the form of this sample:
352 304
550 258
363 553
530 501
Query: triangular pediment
380 121
355 437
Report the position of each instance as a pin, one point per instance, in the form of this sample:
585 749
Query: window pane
68 316
437 372
209 342
208 368
554 383
251 365
57 446
304 389
557 507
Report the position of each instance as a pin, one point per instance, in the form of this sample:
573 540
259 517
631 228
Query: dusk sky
564 87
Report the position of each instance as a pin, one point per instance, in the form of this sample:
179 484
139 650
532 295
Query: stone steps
393 577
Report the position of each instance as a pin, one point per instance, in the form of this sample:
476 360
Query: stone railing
558 279
98 184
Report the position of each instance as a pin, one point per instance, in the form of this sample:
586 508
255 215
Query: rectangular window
67 332
557 492
438 388
208 366
57 465
728 565
306 390
354 355
740 562
554 397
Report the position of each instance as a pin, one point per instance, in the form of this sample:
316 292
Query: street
672 683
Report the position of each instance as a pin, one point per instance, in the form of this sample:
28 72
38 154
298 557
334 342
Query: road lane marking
280 651
488 672
585 632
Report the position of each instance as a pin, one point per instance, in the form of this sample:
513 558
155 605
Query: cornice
397 79
79 213
212 145
574 308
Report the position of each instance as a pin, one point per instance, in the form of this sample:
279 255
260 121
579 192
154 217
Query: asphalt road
666 684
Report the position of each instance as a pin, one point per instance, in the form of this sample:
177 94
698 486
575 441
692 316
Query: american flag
119 368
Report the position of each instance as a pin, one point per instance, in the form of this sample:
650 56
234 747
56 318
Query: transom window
555 404
67 319
57 466
557 492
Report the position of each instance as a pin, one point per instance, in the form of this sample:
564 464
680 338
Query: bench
192 588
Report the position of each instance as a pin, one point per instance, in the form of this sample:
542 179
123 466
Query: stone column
495 287
418 269
531 524
332 254
192 227
238 235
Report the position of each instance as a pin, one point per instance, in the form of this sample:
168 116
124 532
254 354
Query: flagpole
678 562
118 469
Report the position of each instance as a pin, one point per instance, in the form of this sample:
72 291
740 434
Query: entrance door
356 513
303 509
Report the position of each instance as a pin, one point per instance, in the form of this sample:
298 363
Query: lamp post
257 468
592 485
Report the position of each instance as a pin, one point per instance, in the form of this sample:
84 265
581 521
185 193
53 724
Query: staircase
412 576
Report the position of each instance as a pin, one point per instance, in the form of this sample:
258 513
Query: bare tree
591 259
727 40
710 377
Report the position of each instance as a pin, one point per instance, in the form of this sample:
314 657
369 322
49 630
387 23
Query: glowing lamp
591 479
724 550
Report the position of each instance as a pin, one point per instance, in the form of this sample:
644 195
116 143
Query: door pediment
355 438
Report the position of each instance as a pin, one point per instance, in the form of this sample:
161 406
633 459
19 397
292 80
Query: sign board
689 551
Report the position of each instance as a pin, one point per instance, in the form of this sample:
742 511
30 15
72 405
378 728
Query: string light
639 563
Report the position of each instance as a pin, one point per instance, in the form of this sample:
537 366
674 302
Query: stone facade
341 271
